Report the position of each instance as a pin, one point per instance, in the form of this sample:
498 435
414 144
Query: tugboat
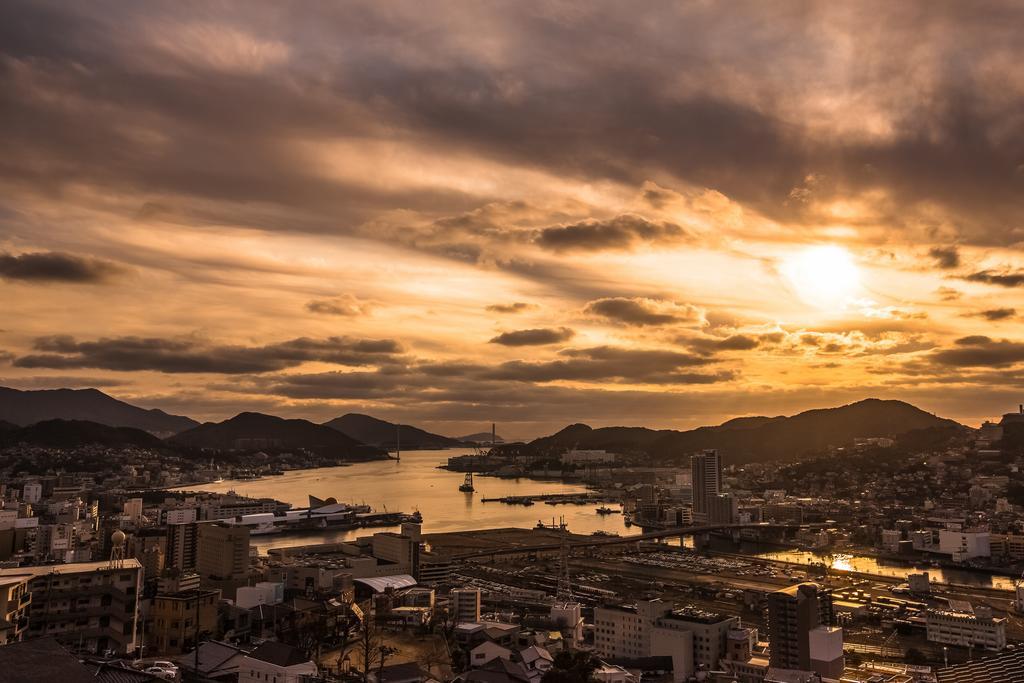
604 510
467 485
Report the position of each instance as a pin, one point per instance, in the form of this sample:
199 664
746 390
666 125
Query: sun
824 277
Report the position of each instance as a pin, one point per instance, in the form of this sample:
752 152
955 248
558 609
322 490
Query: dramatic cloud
945 257
534 337
1003 279
639 366
978 351
995 314
645 183
515 307
641 311
621 232
343 305
189 356
56 267
734 342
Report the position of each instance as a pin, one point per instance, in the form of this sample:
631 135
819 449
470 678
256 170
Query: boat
467 484
608 534
604 510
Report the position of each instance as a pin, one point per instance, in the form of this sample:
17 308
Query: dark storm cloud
515 307
1002 279
978 351
189 356
534 337
945 257
640 311
995 314
621 232
56 267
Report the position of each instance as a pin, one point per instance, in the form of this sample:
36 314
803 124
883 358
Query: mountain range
268 432
63 415
383 434
23 408
70 433
756 439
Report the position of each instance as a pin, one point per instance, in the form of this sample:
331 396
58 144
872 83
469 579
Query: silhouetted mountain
28 407
72 433
757 439
255 431
375 432
481 438
4 426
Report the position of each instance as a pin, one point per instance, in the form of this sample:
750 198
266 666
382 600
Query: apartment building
966 627
92 604
15 599
692 637
222 557
801 631
464 605
174 617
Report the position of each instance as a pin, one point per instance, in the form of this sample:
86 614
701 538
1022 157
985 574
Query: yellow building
171 628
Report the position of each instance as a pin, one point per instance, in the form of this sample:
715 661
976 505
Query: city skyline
503 213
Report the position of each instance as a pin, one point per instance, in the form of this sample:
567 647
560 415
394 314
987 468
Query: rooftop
41 660
69 568
381 583
695 615
278 654
1005 668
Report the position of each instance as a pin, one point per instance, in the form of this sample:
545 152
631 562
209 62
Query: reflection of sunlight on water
844 562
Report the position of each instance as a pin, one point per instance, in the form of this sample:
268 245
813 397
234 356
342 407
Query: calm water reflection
871 565
415 483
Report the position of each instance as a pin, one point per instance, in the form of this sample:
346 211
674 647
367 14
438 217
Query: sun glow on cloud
824 277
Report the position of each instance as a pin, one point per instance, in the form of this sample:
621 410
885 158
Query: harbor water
416 483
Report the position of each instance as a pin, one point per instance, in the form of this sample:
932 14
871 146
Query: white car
168 673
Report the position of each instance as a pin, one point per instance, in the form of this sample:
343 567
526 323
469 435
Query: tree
571 667
372 650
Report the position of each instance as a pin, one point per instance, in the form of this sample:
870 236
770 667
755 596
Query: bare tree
372 650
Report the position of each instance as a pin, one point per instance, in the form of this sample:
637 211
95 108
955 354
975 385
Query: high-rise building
706 475
181 546
465 605
801 631
222 557
722 508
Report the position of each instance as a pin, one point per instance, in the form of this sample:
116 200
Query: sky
534 214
